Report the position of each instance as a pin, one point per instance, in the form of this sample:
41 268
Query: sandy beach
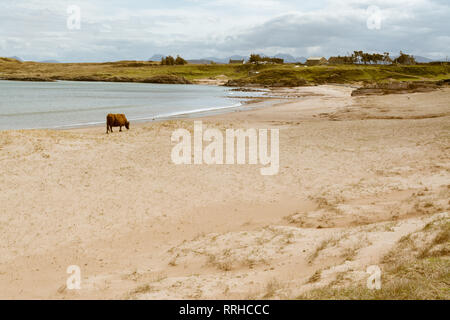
356 176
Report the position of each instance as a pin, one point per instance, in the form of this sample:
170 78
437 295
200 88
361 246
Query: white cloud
113 30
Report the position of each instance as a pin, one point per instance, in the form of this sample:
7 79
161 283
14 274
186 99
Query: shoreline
242 103
243 107
278 96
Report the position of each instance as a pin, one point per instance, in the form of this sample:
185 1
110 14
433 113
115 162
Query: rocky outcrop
166 79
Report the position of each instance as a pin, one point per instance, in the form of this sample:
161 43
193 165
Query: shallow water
66 104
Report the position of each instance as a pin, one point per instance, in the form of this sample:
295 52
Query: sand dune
356 175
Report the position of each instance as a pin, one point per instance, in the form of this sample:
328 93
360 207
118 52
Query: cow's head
127 125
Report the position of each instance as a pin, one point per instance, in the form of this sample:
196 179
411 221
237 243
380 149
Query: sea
69 104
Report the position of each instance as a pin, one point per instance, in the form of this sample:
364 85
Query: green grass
133 71
262 75
291 75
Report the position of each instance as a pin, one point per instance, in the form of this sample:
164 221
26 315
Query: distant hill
208 60
286 57
157 57
16 58
205 60
227 59
422 59
49 61
289 58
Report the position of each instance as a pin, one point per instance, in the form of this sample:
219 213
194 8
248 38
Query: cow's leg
120 129
107 128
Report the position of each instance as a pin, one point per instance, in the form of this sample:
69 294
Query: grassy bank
236 75
418 268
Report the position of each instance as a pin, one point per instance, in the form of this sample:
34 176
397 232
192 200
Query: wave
186 112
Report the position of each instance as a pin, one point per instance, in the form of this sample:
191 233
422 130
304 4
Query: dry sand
356 174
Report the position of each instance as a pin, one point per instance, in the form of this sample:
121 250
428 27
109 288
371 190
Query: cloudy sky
137 29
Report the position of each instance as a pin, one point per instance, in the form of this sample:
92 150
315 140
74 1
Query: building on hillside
237 61
316 61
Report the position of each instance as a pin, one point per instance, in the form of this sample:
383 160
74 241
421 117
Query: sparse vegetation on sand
276 75
417 268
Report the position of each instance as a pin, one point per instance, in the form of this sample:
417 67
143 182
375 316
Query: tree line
256 58
171 61
360 57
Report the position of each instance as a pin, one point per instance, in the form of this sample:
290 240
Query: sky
111 30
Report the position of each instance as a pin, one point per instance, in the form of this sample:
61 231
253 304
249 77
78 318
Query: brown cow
116 120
